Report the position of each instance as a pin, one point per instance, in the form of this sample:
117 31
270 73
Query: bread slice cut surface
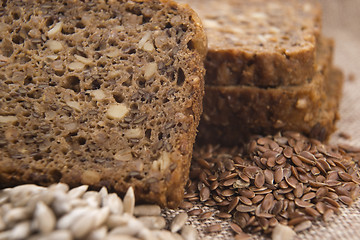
260 43
104 93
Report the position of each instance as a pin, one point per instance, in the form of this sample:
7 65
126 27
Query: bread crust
233 113
260 43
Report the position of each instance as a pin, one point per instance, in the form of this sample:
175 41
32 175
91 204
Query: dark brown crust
233 113
88 154
231 67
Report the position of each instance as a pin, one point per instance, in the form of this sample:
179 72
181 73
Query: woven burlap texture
340 21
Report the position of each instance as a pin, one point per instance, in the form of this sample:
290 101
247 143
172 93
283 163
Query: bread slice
260 43
233 113
104 93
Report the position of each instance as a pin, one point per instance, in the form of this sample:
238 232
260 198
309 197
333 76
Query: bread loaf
233 113
260 43
104 93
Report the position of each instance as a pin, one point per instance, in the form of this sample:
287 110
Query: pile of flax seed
285 179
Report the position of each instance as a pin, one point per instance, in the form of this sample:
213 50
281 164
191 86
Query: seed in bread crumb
76 66
150 70
56 29
301 103
133 133
8 119
55 46
117 111
73 104
98 94
162 163
83 59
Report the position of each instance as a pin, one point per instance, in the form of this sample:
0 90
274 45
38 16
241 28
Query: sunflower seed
78 191
15 215
89 214
114 203
153 222
189 233
147 210
44 218
84 224
178 222
69 219
129 201
281 232
160 235
20 231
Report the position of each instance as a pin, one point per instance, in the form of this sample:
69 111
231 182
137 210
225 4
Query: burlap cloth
341 20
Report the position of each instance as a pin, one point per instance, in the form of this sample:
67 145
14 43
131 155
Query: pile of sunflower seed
286 178
57 212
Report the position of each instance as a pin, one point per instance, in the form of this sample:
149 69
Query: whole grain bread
233 113
258 42
104 93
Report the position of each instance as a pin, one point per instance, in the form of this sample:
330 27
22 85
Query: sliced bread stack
103 93
268 69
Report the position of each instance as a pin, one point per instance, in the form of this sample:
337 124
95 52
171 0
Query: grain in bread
104 93
233 113
260 43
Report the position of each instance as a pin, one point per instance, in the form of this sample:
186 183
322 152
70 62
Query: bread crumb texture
106 93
